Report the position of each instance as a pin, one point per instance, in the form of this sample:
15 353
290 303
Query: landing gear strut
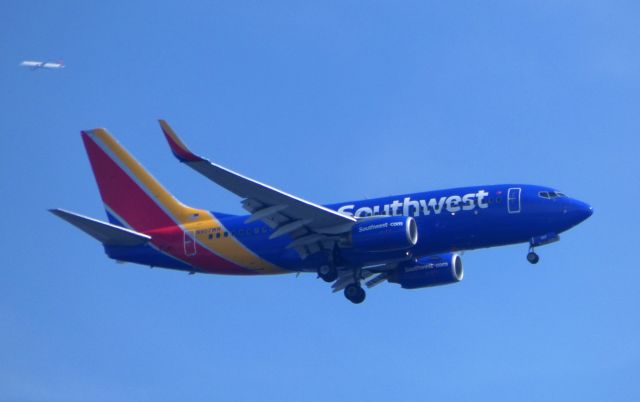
355 293
532 257
329 272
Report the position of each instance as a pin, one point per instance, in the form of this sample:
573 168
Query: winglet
178 147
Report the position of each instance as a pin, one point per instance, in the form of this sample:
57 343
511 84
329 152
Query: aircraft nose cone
579 211
589 210
585 210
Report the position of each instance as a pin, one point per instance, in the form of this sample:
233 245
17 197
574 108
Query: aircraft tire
328 273
354 293
533 258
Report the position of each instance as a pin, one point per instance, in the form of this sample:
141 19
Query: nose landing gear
532 257
537 241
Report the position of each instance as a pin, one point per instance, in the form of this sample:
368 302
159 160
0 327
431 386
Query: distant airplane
409 239
42 64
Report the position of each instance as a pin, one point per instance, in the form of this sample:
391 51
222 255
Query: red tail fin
132 196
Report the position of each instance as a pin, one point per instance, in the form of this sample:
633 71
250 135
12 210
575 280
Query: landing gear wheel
532 257
355 293
328 273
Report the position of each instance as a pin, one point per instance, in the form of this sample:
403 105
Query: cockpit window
551 194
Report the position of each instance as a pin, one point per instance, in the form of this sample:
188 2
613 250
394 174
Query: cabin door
513 200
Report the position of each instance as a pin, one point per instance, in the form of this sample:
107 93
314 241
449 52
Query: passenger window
226 234
218 235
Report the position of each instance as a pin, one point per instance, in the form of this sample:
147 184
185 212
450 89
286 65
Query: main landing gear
354 293
328 273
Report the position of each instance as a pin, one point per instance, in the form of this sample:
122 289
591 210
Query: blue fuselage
448 220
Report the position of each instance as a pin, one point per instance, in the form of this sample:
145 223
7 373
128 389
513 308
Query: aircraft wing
311 226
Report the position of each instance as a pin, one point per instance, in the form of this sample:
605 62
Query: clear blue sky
330 100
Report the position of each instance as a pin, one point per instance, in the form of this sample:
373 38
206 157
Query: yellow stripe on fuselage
229 247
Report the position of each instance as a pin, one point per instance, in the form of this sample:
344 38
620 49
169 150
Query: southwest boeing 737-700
413 240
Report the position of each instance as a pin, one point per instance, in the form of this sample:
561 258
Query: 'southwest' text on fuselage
409 207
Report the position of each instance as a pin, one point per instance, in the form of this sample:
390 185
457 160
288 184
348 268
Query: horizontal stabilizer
108 234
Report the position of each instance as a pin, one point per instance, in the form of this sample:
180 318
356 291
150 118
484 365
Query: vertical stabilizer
131 195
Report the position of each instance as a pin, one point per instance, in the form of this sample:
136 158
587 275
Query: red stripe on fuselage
128 200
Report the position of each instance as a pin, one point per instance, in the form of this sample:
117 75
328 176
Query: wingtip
57 212
178 147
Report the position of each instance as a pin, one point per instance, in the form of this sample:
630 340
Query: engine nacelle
385 233
436 270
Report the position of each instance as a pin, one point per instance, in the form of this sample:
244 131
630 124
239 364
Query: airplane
414 240
42 64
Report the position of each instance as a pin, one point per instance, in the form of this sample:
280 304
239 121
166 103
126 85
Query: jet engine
435 270
385 233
